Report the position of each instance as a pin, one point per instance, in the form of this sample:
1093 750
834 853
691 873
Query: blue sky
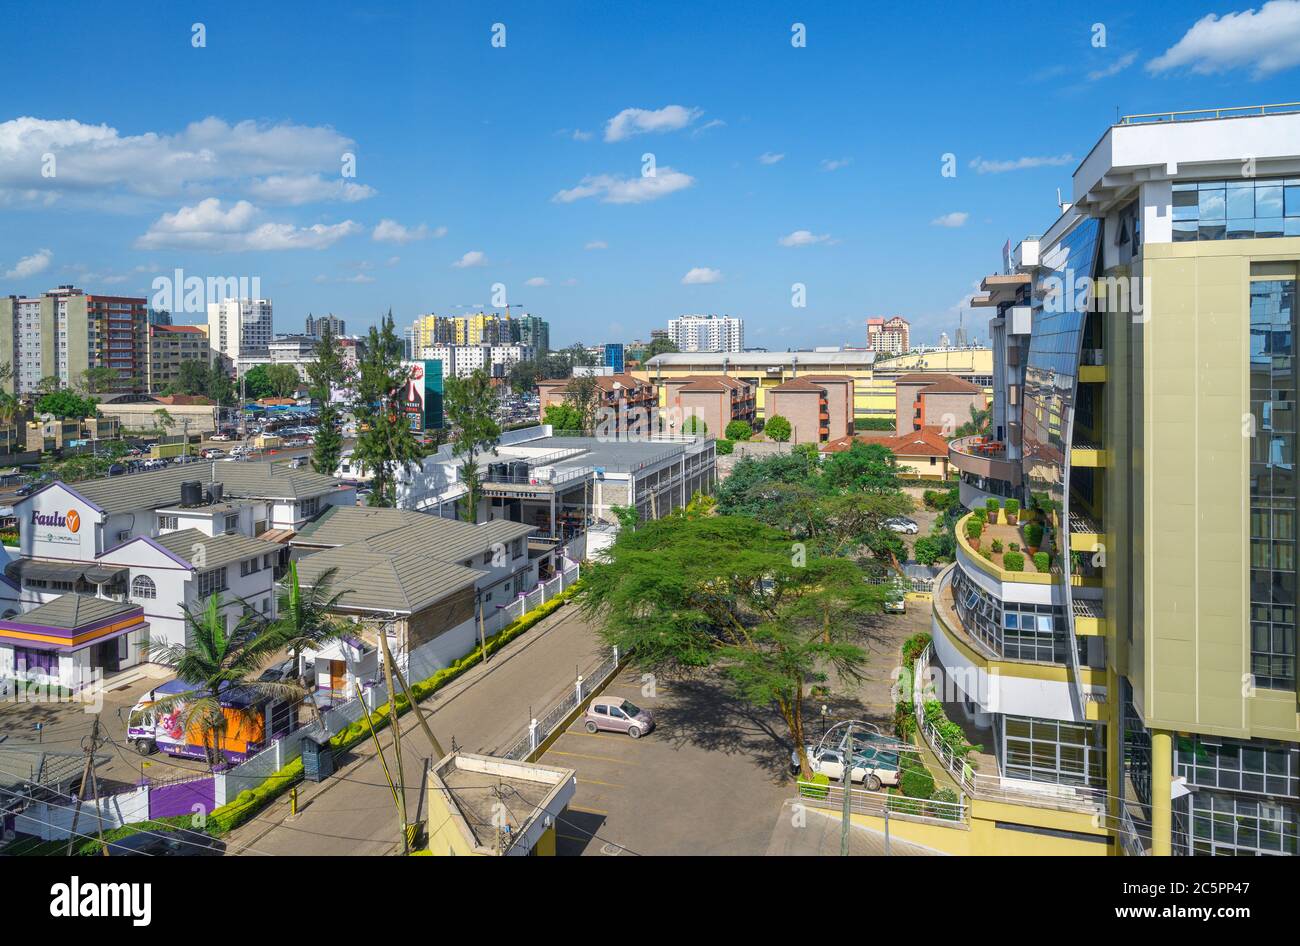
523 164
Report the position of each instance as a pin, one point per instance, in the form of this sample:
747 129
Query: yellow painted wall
1190 490
445 838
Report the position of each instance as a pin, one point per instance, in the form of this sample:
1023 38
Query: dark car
166 844
116 469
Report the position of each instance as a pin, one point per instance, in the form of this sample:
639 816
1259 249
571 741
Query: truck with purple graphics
161 721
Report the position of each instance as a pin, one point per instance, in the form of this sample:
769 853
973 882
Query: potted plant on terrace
1033 537
1013 562
992 506
974 527
1012 508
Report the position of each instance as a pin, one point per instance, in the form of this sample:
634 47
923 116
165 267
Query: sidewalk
352 812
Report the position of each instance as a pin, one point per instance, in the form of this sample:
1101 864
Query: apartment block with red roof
944 401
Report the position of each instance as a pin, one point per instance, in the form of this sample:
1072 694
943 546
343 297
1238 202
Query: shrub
738 430
1042 561
1033 534
974 528
928 497
987 553
991 505
1014 546
950 797
777 428
1013 562
915 780
1012 506
980 514
927 550
997 546
724 447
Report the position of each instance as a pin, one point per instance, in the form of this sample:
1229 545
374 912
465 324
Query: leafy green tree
694 426
215 660
739 430
65 403
523 376
864 466
163 421
685 594
742 493
583 395
98 380
386 445
660 346
284 380
257 383
324 374
778 428
470 404
562 417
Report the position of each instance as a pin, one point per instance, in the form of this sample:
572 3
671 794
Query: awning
28 568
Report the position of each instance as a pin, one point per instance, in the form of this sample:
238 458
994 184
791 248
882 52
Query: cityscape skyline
785 195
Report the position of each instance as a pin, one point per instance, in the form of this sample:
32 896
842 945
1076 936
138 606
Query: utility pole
845 820
81 789
395 723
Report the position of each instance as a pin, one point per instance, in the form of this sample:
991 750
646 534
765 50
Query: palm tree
305 617
216 662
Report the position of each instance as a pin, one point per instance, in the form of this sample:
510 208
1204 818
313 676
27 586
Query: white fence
51 821
540 728
950 814
418 665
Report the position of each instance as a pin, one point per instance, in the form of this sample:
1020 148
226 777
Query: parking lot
707 780
64 726
712 777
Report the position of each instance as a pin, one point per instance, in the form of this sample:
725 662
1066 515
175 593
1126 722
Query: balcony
981 456
1092 366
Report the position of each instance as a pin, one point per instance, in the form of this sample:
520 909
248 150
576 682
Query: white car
902 524
872 766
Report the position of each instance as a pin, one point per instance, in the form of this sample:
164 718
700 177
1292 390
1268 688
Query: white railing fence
541 727
863 802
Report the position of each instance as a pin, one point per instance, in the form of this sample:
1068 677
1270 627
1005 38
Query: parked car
873 767
618 715
902 524
166 844
116 469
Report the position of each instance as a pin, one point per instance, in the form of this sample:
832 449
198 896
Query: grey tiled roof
396 530
406 581
241 480
71 611
218 550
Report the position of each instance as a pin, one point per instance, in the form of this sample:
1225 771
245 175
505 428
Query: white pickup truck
874 767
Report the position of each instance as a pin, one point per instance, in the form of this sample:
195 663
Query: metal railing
1204 114
540 728
950 814
1129 836
995 787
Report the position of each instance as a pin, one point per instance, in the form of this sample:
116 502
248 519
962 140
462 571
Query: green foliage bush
723 447
991 506
1042 561
1012 506
997 545
974 528
819 788
915 779
1033 535
738 430
1013 562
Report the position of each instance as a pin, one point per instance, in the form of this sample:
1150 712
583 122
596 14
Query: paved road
353 813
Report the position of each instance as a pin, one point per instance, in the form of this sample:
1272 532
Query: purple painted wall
179 798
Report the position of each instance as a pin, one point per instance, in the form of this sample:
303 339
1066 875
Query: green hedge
231 815
1013 562
819 788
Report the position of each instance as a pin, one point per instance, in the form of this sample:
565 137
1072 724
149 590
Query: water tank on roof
215 492
191 493
519 470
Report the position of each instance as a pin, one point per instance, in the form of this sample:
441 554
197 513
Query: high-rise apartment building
707 333
240 328
459 361
66 331
480 329
316 327
1142 668
170 346
889 336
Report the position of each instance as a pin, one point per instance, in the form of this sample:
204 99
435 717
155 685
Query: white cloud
716 123
982 166
596 245
208 225
804 238
472 258
957 218
38 262
1267 39
361 278
767 157
281 163
537 282
613 189
701 275
390 231
640 121
1115 68
306 189
834 164
580 135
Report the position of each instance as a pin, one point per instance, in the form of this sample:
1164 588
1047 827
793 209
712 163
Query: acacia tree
386 444
582 394
688 593
470 406
284 380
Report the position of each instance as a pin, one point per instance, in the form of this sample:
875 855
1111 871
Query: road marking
588 811
598 758
596 781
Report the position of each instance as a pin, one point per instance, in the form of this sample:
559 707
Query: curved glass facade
1062 296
